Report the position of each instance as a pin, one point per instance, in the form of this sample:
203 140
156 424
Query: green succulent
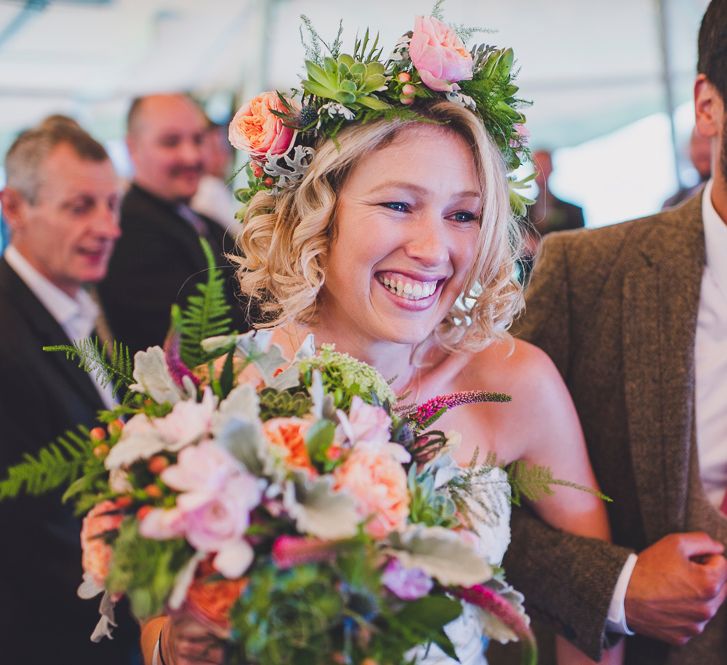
347 81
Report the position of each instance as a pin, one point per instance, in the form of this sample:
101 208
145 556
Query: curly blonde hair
286 237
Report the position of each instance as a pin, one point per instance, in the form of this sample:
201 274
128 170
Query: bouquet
291 503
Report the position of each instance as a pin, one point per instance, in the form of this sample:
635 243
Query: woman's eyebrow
417 189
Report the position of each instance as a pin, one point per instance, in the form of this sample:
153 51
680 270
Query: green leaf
374 103
60 463
205 314
110 364
319 438
345 98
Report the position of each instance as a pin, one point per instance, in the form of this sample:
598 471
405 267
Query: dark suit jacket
42 621
616 310
158 261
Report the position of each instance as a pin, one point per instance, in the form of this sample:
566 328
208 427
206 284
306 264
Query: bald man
158 261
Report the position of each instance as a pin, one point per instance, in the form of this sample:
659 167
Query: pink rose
96 553
213 510
255 129
368 423
377 482
439 55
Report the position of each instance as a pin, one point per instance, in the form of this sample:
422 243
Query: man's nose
190 152
106 224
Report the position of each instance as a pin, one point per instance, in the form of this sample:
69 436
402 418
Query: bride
398 245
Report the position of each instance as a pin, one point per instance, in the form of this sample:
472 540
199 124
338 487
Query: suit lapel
660 305
49 333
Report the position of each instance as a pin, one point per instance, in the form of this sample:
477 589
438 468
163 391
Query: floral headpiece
431 62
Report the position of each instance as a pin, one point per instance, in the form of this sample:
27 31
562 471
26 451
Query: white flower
139 440
153 378
335 109
188 422
142 437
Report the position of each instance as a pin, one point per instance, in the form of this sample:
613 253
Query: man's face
165 146
69 232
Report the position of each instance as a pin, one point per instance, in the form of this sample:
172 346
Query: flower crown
429 63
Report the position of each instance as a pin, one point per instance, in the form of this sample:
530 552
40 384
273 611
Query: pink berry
403 77
409 90
406 100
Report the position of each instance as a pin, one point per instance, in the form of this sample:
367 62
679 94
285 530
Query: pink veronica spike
177 369
426 412
492 602
290 551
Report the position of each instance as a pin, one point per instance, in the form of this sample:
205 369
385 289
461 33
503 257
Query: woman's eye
464 216
398 206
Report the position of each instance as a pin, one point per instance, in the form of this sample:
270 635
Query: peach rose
439 55
210 599
288 435
96 553
377 481
255 129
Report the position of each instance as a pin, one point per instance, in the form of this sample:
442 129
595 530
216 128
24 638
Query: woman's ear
708 108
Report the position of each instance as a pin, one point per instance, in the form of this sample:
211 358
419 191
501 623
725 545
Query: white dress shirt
77 316
710 359
710 356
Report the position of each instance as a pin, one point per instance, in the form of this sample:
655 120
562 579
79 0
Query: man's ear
708 108
14 204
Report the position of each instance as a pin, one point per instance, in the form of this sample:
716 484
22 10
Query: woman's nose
427 243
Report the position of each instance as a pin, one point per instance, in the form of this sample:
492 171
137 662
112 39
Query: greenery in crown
279 130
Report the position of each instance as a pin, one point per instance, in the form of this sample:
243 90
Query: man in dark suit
158 260
61 202
635 318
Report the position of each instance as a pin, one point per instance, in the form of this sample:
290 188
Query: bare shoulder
520 367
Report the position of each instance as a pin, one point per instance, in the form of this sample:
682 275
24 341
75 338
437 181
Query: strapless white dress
491 516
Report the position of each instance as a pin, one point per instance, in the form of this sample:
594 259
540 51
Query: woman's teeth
409 288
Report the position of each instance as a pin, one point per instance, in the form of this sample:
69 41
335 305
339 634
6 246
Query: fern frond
438 10
205 313
59 463
313 44
114 368
535 482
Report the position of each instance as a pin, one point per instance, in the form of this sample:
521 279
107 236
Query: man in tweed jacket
635 318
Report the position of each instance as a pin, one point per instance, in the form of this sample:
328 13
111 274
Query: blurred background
611 82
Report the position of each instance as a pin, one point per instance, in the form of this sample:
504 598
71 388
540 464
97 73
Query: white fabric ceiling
589 65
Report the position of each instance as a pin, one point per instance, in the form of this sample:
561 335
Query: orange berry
98 434
408 90
403 77
115 427
101 450
256 169
143 512
268 181
157 464
406 100
153 491
124 501
369 661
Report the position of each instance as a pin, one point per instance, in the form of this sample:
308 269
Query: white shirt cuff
616 619
155 655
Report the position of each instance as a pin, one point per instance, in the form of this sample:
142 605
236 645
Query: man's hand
677 586
186 641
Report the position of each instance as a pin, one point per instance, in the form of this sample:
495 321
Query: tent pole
662 11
